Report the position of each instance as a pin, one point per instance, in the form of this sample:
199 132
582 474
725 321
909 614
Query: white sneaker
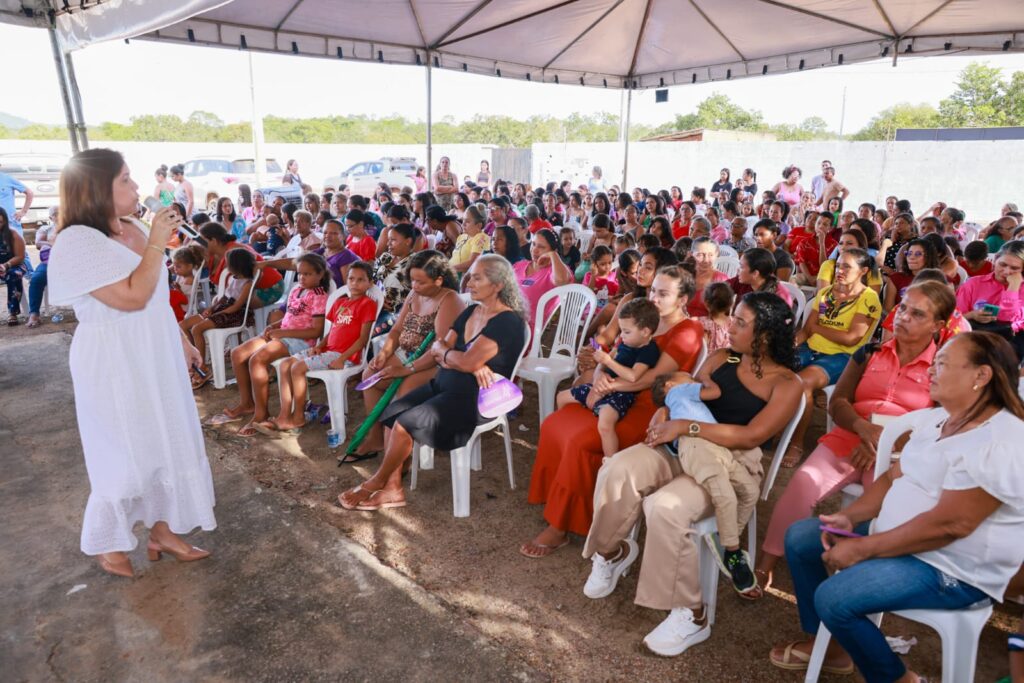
605 574
677 633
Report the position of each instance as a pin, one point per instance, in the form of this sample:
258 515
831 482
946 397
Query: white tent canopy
609 43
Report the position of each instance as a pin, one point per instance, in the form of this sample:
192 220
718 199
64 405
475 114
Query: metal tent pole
65 94
625 138
430 125
257 130
76 100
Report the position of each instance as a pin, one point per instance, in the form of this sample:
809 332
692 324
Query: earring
975 387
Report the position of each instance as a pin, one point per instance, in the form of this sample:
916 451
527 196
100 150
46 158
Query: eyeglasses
915 254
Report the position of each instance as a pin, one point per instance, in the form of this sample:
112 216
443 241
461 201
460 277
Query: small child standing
732 488
351 319
718 299
228 309
635 354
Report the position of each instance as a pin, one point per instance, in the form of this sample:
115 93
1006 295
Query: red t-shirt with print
347 317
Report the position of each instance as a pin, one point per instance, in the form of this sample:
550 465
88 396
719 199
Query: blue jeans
35 289
843 601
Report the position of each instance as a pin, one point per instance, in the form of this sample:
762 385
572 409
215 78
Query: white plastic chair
193 299
586 239
468 457
578 305
962 272
726 250
217 338
730 265
263 312
709 569
799 301
958 629
336 381
850 492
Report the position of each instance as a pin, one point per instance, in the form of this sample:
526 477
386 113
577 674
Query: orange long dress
569 451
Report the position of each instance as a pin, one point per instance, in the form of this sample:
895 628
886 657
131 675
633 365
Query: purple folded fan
369 381
498 399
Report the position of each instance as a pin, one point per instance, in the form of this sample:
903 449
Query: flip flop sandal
543 550
13 321
792 463
200 382
223 419
263 429
248 431
33 323
357 490
795 660
369 505
352 458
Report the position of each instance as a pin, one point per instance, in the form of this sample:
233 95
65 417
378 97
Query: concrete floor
285 597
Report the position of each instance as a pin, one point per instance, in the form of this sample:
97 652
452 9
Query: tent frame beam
504 24
288 14
582 35
460 23
927 16
717 30
825 17
885 16
75 127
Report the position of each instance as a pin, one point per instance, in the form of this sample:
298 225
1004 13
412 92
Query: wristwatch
694 429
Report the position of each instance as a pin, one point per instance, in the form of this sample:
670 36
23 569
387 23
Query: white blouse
987 457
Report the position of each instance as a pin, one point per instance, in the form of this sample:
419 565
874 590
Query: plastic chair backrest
780 450
586 239
799 301
194 297
962 272
294 246
578 305
701 357
890 434
729 265
726 250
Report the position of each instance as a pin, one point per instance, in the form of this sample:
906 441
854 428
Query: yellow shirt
827 274
839 316
466 246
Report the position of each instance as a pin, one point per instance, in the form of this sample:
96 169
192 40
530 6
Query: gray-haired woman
485 341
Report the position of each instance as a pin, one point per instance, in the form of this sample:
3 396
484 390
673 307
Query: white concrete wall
978 177
316 162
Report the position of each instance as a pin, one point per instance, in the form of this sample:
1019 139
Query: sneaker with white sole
677 633
605 574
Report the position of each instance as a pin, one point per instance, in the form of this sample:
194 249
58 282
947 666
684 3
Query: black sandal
352 458
13 320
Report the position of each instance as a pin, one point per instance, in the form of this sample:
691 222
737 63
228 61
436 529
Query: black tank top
737 405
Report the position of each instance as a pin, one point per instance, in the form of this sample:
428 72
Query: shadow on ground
289 596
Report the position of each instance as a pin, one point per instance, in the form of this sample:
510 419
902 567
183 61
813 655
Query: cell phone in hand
153 204
838 532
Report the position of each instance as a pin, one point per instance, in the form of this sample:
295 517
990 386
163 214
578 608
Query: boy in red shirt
975 260
351 319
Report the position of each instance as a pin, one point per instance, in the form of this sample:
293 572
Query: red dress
569 451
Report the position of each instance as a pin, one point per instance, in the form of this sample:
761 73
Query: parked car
39 173
214 177
363 177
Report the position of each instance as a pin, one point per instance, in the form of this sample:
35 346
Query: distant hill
13 122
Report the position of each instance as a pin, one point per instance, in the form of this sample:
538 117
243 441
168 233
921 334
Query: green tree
903 115
5 133
42 131
977 101
1013 100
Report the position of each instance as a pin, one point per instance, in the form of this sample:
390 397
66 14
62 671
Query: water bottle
57 317
333 438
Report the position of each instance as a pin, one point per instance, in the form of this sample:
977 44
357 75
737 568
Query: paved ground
301 590
284 598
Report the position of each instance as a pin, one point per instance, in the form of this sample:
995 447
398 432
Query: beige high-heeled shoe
123 568
155 550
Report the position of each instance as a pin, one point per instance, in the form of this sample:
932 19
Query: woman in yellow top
851 239
842 317
472 242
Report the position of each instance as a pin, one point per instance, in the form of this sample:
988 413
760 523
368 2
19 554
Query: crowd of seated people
900 313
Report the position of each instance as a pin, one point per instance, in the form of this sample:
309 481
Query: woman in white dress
143 444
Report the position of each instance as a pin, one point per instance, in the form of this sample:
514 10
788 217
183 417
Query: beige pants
733 488
642 479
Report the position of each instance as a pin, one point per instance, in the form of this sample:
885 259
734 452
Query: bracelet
158 249
444 358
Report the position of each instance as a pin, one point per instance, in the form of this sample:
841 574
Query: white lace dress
143 444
